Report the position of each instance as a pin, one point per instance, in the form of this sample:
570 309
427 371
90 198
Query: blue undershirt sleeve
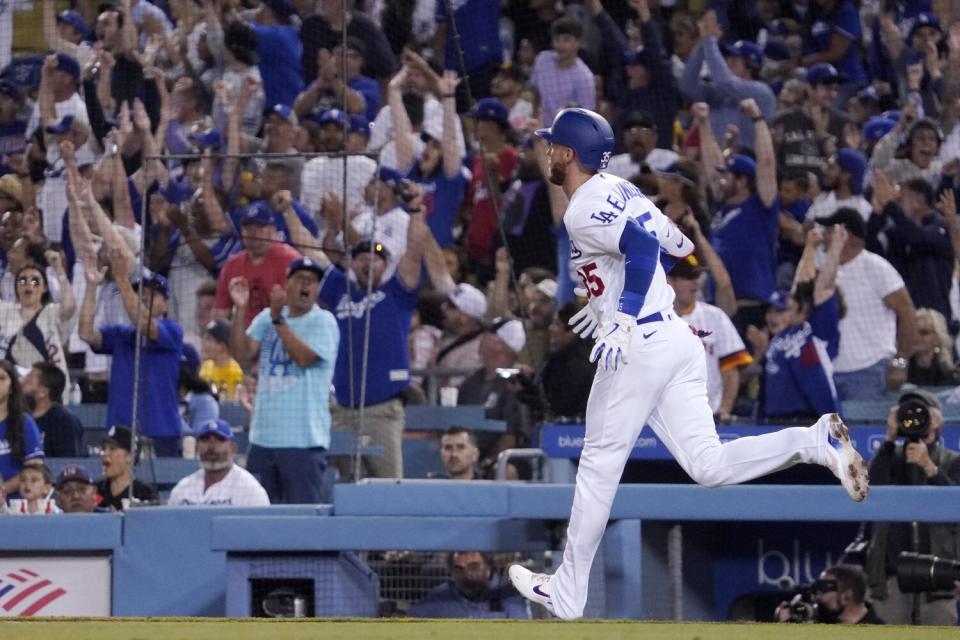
642 252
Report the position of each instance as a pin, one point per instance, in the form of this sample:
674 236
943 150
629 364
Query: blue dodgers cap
61 127
777 50
778 299
333 116
745 49
284 111
854 163
156 282
390 176
175 192
206 139
740 165
824 73
216 427
892 114
75 20
257 212
877 127
587 133
68 64
359 124
925 19
73 473
869 94
491 109
305 264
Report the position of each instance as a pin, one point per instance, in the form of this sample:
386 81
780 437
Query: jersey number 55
591 281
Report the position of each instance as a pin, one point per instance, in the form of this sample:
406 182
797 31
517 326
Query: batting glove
585 323
611 349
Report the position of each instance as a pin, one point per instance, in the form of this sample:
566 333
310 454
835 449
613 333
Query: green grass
408 629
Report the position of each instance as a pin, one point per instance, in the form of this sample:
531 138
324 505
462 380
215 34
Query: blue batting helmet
587 133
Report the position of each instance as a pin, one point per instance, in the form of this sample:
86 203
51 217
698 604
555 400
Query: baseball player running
616 237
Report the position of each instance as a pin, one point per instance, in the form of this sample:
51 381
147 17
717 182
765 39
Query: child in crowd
219 368
36 491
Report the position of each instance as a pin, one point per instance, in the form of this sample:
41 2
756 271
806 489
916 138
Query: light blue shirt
291 408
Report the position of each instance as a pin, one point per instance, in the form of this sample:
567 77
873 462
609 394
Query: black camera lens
922 573
913 419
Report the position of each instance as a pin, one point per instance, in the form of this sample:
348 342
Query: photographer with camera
838 596
920 460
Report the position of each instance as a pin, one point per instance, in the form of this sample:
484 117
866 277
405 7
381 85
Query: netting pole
138 335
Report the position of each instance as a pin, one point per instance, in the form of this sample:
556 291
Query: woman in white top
34 328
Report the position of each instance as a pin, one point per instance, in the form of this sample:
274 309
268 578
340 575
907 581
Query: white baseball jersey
595 219
237 489
723 346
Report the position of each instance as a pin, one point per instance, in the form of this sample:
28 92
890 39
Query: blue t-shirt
388 363
32 447
305 218
279 52
745 237
788 251
158 408
479 29
370 90
442 196
797 368
291 408
844 20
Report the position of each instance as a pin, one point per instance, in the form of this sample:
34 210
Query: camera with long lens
803 606
913 420
921 573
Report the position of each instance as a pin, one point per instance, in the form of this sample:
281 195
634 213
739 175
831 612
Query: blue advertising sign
566 440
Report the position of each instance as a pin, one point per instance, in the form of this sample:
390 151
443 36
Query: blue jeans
290 476
869 383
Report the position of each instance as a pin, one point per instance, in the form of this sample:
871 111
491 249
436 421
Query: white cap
512 334
469 300
548 288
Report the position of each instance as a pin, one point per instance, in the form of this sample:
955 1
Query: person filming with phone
912 454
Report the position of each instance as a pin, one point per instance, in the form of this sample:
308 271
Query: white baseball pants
664 385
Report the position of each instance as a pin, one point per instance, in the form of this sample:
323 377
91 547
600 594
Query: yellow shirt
226 379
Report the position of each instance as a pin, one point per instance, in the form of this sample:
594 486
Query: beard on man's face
558 173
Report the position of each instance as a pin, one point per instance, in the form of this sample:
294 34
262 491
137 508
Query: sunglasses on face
23 280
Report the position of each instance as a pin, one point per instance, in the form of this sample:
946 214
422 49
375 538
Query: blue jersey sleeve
169 335
846 21
406 298
825 322
32 441
333 286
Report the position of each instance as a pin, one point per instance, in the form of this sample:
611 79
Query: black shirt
871 617
141 491
62 433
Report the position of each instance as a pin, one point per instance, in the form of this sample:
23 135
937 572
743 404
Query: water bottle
76 396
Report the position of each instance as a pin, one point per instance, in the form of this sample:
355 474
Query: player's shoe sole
847 465
532 586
